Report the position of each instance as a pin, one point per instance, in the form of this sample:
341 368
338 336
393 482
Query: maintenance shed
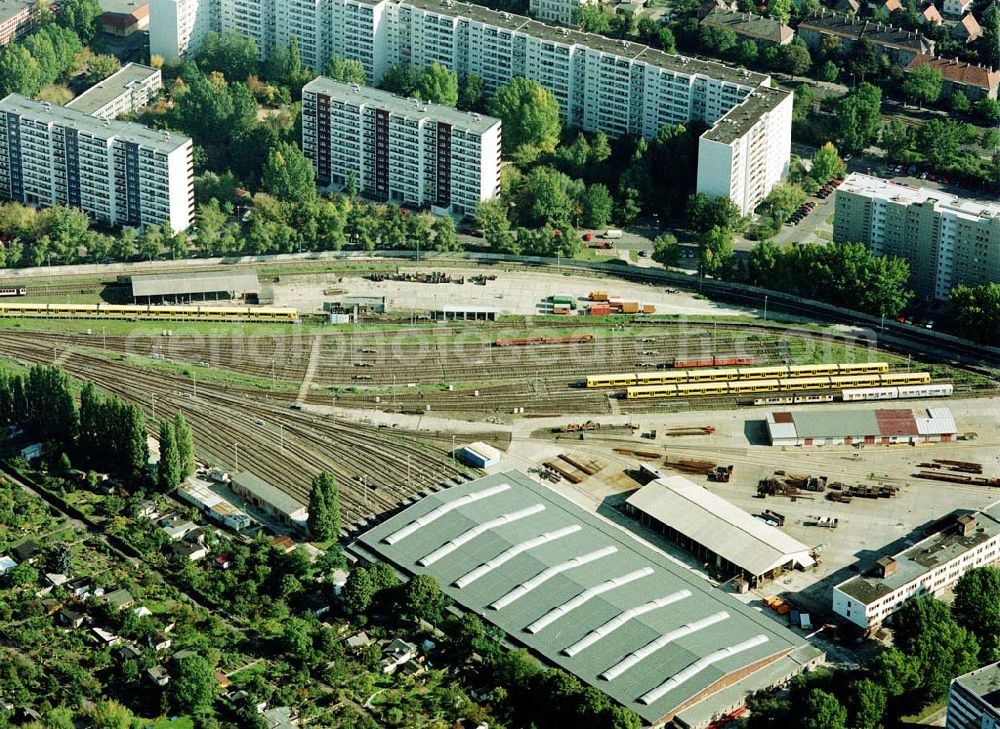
479 455
202 286
590 598
870 427
728 538
270 499
466 313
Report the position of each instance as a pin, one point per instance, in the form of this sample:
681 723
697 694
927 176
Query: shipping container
598 295
561 309
599 310
648 309
562 299
630 307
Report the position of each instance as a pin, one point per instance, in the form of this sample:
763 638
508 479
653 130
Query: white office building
178 26
974 699
929 567
117 172
946 239
129 89
399 150
615 86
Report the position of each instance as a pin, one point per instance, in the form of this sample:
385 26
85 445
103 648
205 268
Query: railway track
378 468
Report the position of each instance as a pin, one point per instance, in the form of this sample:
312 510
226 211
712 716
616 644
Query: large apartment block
117 172
947 240
16 20
399 150
177 27
974 699
601 83
128 89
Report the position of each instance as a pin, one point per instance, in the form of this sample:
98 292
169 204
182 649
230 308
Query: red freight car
534 341
713 362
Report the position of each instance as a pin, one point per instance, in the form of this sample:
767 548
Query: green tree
716 40
232 54
925 629
896 139
109 714
720 212
959 102
975 312
438 85
151 242
51 408
80 16
716 250
288 175
827 164
101 67
422 598
471 92
401 80
666 250
493 221
666 39
445 236
829 72
746 52
22 575
594 18
622 717
988 109
348 72
168 472
19 71
859 116
941 142
126 245
824 711
193 685
977 607
923 85
780 10
530 117
795 59
868 704
598 206
324 508
364 585
185 447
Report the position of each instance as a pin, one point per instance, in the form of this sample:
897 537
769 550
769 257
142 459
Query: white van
613 234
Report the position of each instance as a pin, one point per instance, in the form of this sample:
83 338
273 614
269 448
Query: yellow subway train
733 387
729 374
150 312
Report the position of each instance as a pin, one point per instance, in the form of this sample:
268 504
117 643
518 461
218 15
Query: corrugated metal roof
835 423
939 421
186 284
719 525
780 426
895 422
593 595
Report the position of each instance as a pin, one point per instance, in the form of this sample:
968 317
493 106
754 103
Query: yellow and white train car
149 312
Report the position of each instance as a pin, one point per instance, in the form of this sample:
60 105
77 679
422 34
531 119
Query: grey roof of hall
122 7
835 423
283 502
735 123
567 36
195 283
750 24
473 531
403 106
100 94
10 8
850 26
983 682
922 557
159 141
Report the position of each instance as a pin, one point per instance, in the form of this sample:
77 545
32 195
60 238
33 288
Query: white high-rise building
946 239
615 86
178 26
974 699
399 150
117 172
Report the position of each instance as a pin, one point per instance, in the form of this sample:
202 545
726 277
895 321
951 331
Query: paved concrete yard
512 293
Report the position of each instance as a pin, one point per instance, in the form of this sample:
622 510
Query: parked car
588 236
923 175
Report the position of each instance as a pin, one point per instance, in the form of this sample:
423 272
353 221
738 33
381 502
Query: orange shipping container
630 307
648 309
599 309
561 309
598 295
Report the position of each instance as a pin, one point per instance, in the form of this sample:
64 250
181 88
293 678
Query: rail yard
387 401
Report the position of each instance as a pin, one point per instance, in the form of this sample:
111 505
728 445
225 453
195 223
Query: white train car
944 389
869 393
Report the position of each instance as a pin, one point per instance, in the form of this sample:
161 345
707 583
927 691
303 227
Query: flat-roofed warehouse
871 427
713 529
202 286
590 598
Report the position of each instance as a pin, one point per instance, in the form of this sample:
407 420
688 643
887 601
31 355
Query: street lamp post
765 307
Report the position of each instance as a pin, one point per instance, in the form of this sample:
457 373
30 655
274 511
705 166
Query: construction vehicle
722 474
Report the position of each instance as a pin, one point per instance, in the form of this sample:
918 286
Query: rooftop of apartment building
959 72
869 186
983 682
926 555
751 25
412 108
160 141
10 8
568 37
850 26
744 115
103 92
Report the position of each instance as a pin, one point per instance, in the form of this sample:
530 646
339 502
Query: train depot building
869 427
178 288
727 538
929 567
586 596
